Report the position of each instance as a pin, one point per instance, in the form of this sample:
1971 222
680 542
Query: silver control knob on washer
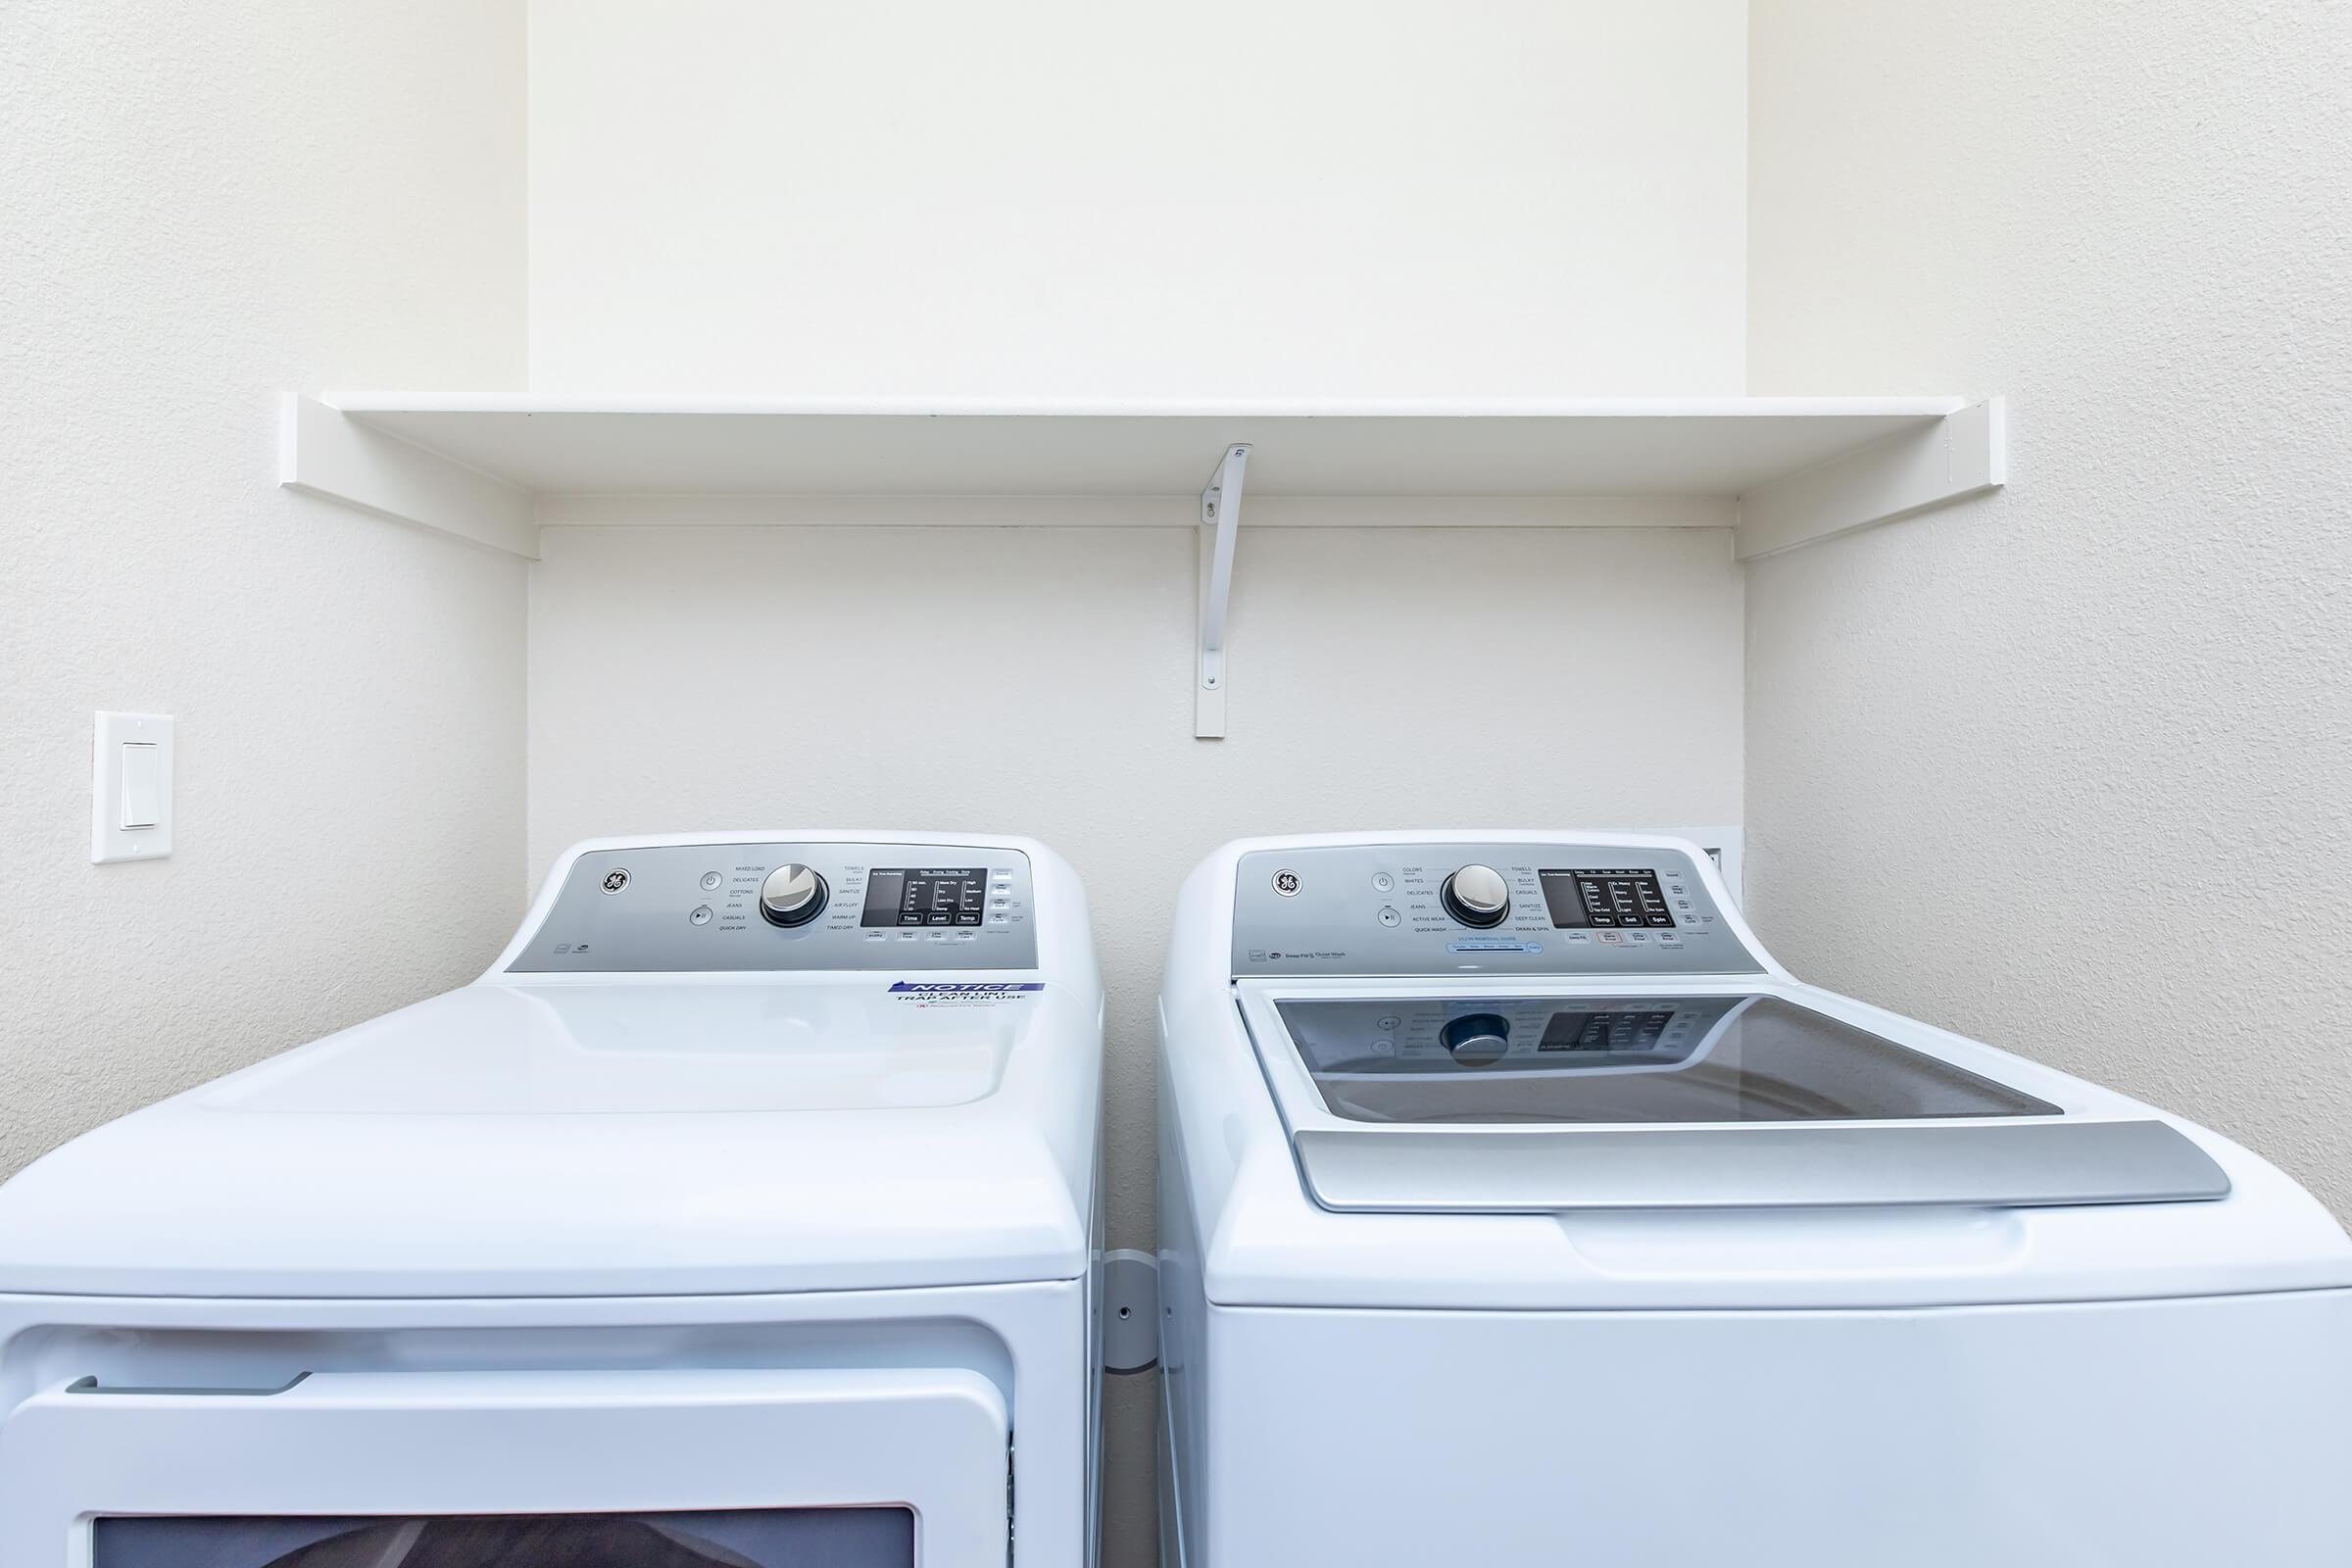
1477 1038
1477 895
793 894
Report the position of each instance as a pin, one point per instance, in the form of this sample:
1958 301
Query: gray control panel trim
695 908
1986 1164
1380 910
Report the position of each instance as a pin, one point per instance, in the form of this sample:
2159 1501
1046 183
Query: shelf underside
486 465
1698 449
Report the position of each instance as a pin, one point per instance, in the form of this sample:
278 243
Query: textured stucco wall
2070 767
668 690
203 204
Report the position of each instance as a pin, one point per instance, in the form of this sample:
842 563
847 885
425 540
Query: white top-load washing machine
741 1215
1517 1208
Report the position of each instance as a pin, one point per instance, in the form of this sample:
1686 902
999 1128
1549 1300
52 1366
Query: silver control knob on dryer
793 894
1477 895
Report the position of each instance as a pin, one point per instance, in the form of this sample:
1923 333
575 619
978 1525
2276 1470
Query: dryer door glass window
1616 1060
840 1538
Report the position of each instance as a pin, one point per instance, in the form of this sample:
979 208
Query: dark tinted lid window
1623 1059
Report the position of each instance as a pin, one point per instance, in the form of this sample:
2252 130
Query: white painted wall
2070 767
205 203
763 677
1059 197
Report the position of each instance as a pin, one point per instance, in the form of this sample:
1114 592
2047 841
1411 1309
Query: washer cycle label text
928 992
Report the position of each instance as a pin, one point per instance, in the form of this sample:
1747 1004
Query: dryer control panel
685 907
1564 908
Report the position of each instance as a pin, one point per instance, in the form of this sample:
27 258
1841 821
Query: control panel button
793 894
1477 896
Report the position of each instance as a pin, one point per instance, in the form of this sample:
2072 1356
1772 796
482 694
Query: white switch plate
1723 844
134 752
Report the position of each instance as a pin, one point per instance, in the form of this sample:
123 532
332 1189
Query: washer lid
1471 1103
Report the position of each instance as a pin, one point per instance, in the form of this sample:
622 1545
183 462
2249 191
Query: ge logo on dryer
616 879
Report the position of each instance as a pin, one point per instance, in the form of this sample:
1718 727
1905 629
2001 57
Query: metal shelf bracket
1220 519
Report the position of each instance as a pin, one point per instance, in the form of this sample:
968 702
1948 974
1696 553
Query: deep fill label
963 988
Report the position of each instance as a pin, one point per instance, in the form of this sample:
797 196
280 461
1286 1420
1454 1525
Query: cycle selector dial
793 894
1477 895
1477 1038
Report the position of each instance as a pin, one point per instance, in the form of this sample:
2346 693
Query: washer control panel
1569 908
689 908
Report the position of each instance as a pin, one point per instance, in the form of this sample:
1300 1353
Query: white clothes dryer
1517 1208
743 1213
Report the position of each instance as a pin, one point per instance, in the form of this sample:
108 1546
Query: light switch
142 784
130 787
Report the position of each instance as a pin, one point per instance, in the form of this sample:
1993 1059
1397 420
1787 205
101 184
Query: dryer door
888 1468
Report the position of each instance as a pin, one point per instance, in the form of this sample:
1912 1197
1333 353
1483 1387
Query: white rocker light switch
131 788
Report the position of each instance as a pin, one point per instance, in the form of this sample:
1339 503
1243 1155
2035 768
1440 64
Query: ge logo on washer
616 879
1286 884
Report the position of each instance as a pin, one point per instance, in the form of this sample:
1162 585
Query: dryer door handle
91 1385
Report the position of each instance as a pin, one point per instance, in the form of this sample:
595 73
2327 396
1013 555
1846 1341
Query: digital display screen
1605 1031
1605 898
924 896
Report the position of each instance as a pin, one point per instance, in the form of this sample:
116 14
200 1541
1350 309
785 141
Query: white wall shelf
1782 471
1779 473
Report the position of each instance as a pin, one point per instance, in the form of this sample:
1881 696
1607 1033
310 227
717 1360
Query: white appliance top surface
645 1048
713 1063
593 1138
1577 1127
